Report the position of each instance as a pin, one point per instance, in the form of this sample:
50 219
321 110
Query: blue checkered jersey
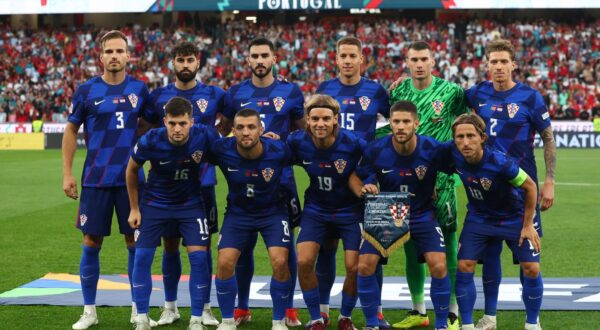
492 197
173 180
512 117
414 173
328 170
254 188
359 104
279 104
109 114
206 101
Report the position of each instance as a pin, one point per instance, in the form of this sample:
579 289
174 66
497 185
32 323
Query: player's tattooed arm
547 193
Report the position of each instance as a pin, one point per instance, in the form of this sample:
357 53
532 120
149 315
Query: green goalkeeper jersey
438 105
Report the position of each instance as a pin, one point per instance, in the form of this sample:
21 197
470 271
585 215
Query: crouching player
172 194
328 154
496 211
404 162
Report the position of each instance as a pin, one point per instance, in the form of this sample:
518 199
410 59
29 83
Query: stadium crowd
39 70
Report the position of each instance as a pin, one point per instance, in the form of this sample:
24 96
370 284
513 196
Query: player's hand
547 195
396 83
135 219
369 189
70 187
531 234
271 135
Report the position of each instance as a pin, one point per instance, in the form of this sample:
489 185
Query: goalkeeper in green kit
438 102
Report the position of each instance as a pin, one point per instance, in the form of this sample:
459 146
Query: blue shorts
475 237
239 231
427 236
317 228
288 184
193 230
96 210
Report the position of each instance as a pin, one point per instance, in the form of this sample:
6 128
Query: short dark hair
112 34
469 118
404 106
349 40
500 45
184 48
261 41
420 45
178 106
247 112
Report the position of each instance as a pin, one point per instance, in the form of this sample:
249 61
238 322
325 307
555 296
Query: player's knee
171 245
531 269
95 241
466 266
438 270
365 268
225 268
306 264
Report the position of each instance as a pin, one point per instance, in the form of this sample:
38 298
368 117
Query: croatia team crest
364 102
82 219
197 156
437 106
278 103
340 165
133 99
486 183
399 213
421 171
386 221
512 108
202 104
267 174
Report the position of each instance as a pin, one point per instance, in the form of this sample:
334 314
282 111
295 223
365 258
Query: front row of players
342 169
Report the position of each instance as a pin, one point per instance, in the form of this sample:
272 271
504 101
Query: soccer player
329 155
207 103
497 210
404 162
253 166
513 112
172 197
108 106
361 101
281 108
438 102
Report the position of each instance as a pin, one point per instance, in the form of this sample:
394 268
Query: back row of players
262 193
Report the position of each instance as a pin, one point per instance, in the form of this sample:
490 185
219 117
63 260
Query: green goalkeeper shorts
445 209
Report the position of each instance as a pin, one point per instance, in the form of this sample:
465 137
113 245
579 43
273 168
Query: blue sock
142 278
533 290
209 262
379 275
311 299
325 271
348 303
491 277
244 270
293 265
368 292
130 261
465 296
440 297
226 290
89 273
171 269
279 295
198 281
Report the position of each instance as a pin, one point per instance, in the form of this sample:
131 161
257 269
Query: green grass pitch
37 237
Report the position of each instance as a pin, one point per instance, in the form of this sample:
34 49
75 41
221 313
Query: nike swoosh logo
232 169
386 171
137 285
459 172
164 163
285 240
201 286
86 277
535 254
443 308
530 297
244 104
204 238
482 104
306 163
98 102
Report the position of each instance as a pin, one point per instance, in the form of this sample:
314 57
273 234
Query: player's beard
186 76
249 146
116 69
267 71
409 136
